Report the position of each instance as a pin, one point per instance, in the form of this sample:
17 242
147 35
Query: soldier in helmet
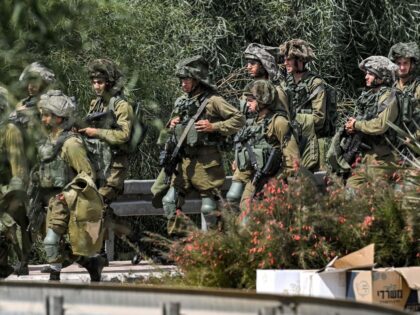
66 177
407 56
307 99
376 106
14 180
200 166
108 83
266 146
261 64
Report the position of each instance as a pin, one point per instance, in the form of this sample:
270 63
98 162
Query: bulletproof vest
409 106
300 101
54 172
186 108
253 133
100 155
101 107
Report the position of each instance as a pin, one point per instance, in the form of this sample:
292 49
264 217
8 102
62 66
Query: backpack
139 128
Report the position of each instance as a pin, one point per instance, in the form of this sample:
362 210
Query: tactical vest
186 108
253 133
54 172
409 106
300 98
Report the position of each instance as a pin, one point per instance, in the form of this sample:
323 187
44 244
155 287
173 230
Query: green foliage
296 227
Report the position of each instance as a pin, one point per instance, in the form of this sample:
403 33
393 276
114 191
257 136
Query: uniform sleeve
229 119
318 103
288 143
417 96
378 125
15 151
124 115
74 153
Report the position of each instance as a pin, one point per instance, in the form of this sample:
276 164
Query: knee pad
235 191
208 205
169 202
52 246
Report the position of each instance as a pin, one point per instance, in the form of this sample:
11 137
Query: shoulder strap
113 102
58 145
189 125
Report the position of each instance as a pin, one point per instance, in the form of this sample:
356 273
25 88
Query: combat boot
94 266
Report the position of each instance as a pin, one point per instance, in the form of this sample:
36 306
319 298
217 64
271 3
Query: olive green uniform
14 168
412 88
278 134
310 114
201 165
384 106
118 139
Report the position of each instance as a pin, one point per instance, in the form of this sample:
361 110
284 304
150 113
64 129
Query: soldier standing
66 177
14 180
199 136
307 100
406 56
266 147
113 131
376 106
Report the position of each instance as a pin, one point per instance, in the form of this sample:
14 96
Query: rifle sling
318 89
252 157
189 125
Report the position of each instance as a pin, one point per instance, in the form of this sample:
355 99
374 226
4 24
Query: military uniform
201 165
14 179
375 107
269 129
75 207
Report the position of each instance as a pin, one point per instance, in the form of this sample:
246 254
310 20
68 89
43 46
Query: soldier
306 93
14 180
66 177
261 65
406 56
266 147
200 164
113 131
376 106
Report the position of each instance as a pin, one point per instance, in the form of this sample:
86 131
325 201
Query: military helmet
266 55
35 71
58 103
195 67
297 48
263 91
380 66
405 50
105 69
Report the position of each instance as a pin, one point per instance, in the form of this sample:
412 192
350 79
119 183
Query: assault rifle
36 213
99 120
271 167
169 158
353 144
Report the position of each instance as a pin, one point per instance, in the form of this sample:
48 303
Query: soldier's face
253 67
404 67
34 87
99 86
293 65
371 80
252 104
188 84
50 120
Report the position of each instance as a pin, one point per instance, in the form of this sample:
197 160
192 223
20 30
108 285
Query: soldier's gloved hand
90 132
174 122
350 125
204 126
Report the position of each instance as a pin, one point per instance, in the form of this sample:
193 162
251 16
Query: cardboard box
396 287
329 282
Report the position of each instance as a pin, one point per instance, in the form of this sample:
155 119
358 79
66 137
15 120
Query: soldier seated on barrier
265 147
75 207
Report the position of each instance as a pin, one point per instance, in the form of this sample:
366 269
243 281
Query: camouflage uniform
267 57
67 178
117 135
14 179
375 107
270 129
310 112
409 91
201 165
